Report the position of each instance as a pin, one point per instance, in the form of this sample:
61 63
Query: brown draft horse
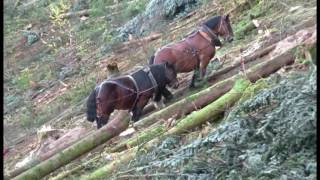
196 50
131 92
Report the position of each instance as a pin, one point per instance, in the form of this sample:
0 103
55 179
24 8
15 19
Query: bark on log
186 105
212 110
247 59
115 127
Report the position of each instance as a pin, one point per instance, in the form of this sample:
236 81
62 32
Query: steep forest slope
56 51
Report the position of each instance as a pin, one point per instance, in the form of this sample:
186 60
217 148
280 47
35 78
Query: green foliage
271 135
23 79
25 118
135 8
11 102
98 8
58 8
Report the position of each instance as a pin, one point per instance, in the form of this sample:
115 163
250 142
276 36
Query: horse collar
150 75
137 90
206 30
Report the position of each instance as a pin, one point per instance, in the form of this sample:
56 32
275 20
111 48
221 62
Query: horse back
178 54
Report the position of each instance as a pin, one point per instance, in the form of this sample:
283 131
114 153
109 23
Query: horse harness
137 91
209 35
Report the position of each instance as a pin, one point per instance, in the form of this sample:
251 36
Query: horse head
221 26
171 75
225 29
94 109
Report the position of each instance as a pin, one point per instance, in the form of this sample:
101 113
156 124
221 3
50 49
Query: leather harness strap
194 52
136 91
150 75
208 34
152 79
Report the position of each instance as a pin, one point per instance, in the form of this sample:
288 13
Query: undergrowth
269 136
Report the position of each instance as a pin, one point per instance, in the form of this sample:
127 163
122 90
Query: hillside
56 52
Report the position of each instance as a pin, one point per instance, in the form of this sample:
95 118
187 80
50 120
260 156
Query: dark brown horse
130 92
196 50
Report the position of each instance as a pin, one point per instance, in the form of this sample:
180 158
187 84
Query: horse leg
157 97
136 113
137 110
203 68
157 100
167 94
194 76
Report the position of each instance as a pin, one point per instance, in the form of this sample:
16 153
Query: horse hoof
192 86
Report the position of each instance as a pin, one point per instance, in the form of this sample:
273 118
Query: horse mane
212 22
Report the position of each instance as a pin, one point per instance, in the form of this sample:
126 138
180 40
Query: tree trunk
112 129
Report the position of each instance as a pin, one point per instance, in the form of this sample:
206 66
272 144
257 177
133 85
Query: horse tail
91 106
151 60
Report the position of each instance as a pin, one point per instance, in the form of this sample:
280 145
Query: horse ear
227 17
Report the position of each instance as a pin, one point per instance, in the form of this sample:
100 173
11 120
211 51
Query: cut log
112 129
212 110
247 59
186 105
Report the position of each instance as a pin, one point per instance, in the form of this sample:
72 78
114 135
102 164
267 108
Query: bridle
220 25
